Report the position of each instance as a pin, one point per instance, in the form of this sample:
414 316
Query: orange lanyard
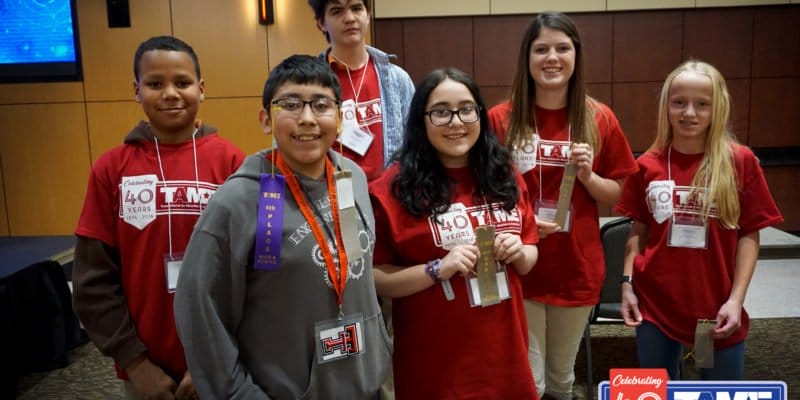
299 195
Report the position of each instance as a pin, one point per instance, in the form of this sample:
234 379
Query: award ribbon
487 271
565 194
269 226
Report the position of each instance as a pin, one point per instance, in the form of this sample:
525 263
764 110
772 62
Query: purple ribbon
270 222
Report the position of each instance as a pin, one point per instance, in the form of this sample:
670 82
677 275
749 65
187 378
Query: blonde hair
716 170
523 90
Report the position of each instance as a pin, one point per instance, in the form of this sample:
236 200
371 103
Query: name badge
172 270
353 137
546 210
269 223
474 290
689 232
338 339
347 214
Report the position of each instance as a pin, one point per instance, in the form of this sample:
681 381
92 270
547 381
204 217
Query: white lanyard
669 176
669 169
350 78
164 182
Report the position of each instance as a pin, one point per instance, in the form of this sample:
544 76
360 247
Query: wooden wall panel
782 183
230 31
739 90
636 106
294 32
647 45
722 37
601 91
107 53
239 117
776 50
494 95
45 165
57 92
109 122
774 119
528 6
428 8
389 33
454 49
597 34
496 60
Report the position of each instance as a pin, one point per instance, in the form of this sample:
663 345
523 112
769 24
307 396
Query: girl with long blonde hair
698 203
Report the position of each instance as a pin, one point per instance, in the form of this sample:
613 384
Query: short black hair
169 43
302 70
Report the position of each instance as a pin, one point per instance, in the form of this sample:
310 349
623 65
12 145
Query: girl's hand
460 260
581 155
507 248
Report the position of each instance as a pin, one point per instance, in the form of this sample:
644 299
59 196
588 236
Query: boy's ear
136 92
202 85
264 121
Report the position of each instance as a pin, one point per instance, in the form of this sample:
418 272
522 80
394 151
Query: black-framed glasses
321 106
467 115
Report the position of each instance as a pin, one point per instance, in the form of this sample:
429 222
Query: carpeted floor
772 353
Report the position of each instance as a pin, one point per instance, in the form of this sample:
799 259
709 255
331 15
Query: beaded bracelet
432 268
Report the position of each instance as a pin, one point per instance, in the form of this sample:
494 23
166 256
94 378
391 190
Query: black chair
613 234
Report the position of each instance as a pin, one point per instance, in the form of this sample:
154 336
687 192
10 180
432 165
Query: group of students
425 196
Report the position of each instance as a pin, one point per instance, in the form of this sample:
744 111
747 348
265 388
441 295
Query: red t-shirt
364 83
571 266
676 286
126 207
447 349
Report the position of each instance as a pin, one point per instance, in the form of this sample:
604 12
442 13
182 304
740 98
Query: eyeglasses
321 106
467 115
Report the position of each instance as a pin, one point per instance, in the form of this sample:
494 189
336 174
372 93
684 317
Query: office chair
613 234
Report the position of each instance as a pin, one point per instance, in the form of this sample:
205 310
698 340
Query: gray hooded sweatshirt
250 334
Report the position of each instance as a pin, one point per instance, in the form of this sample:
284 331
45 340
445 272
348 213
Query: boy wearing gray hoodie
278 298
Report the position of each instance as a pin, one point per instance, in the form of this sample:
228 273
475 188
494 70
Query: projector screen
39 41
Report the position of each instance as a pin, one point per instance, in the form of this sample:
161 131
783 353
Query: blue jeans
656 350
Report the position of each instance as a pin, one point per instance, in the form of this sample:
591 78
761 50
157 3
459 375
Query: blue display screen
38 40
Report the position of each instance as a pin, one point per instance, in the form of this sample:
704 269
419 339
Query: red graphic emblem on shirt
638 383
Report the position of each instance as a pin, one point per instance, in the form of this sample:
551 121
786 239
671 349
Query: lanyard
350 78
669 169
164 181
339 281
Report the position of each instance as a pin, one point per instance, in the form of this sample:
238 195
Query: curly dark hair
422 184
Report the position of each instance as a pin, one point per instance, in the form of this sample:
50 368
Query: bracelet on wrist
432 269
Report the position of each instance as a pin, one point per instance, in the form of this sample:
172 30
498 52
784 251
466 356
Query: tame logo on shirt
691 200
143 198
554 152
711 390
457 225
369 112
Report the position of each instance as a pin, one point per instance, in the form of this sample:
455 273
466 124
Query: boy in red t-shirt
142 200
